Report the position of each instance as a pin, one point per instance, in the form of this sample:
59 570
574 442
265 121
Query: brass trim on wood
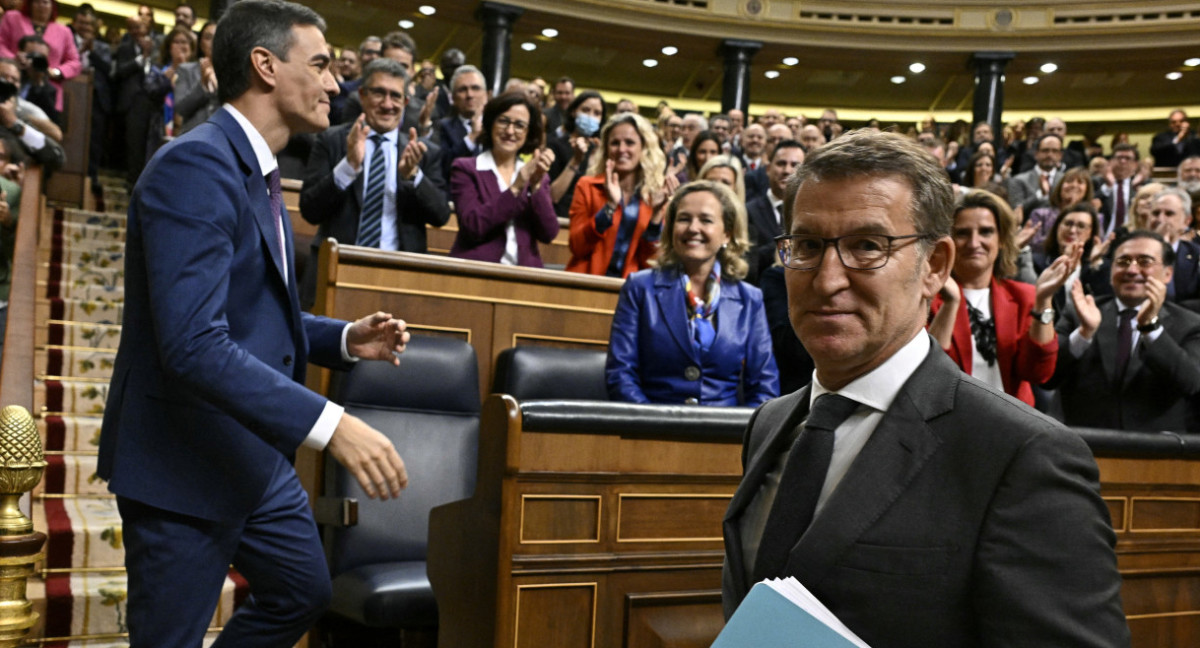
472 298
621 500
447 329
538 496
1126 512
517 605
557 338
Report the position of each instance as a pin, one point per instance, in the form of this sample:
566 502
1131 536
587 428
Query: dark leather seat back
429 408
539 372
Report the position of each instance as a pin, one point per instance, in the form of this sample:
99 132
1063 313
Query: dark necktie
370 227
1124 340
276 192
800 484
779 216
1119 208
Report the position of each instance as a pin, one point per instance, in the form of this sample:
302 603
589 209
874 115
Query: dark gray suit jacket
336 211
968 519
1161 386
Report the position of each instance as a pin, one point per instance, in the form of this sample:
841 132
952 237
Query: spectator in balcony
35 85
705 145
1171 146
459 134
1073 186
980 170
981 317
38 17
585 115
28 131
180 44
504 205
196 85
1074 235
617 212
754 143
689 330
564 93
727 170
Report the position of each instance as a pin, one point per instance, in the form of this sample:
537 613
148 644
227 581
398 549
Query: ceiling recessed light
898 79
771 74
670 50
916 68
1192 62
649 62
1174 76
1030 80
791 60
550 32
528 47
426 10
406 24
1049 68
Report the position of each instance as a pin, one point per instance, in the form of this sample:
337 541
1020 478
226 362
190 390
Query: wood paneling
549 519
675 620
681 517
556 614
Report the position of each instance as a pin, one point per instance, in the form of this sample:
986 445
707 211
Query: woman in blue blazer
689 330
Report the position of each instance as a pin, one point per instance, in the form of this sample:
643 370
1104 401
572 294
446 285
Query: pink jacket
63 54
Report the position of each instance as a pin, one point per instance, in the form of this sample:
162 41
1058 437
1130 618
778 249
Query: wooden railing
17 371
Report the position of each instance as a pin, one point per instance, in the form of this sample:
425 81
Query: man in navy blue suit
208 404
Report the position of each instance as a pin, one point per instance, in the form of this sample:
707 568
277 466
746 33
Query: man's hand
1085 308
8 112
410 158
369 456
425 118
356 143
1156 294
5 214
377 337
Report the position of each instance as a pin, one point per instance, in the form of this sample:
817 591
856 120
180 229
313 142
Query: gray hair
1184 199
384 65
464 69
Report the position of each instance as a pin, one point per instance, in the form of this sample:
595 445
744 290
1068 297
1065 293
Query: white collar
880 386
487 162
266 159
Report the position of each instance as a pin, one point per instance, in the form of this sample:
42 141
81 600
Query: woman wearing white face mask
572 147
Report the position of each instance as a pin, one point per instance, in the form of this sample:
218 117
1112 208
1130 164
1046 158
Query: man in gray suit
921 506
1038 182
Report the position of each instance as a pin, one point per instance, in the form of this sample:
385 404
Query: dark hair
85 8
384 65
785 144
501 105
189 7
1074 172
573 107
565 79
1126 146
1050 245
969 172
693 170
30 38
1168 253
164 56
27 10
249 24
399 40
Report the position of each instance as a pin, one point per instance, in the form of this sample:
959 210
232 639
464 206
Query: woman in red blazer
998 330
620 205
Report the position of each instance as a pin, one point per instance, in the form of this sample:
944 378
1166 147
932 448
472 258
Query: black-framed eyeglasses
855 251
518 126
1143 261
379 94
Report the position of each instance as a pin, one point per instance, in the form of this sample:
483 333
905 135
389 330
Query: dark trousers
177 565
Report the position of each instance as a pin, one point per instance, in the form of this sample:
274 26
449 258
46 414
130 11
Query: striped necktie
372 210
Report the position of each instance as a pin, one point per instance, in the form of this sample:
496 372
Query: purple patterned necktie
276 191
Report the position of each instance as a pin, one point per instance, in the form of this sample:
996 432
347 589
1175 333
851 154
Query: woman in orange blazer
619 207
998 330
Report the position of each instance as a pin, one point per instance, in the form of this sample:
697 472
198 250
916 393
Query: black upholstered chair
539 372
429 408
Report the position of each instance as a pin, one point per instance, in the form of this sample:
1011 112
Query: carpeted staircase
81 595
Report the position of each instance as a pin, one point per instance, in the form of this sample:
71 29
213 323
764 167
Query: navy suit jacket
968 519
650 350
208 393
1185 284
449 134
763 230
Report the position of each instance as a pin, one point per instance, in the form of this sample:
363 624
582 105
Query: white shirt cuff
344 174
416 181
33 138
1147 338
322 431
1078 343
345 351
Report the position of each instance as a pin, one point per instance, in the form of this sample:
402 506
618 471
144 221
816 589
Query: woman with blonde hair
618 209
727 170
690 330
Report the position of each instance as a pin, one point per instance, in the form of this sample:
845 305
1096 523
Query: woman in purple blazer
503 203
